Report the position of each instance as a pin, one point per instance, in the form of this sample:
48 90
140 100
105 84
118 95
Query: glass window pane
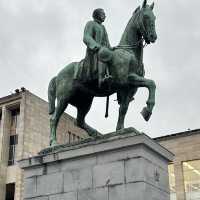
12 148
191 171
14 121
172 182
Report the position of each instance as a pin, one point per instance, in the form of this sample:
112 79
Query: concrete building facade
24 131
184 172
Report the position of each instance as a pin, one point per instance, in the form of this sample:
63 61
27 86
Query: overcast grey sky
39 37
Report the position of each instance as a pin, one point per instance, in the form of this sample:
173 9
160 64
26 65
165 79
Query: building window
10 191
12 148
70 137
172 182
14 122
74 137
191 172
13 136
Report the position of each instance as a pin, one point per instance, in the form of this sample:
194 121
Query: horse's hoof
119 129
146 113
53 143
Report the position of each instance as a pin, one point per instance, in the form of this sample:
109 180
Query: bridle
133 46
139 42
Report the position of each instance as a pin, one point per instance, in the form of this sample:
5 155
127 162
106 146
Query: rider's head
99 15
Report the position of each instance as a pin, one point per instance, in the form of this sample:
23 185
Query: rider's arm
88 37
107 40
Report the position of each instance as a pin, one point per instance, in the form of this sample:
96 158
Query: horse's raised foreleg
54 119
151 86
124 97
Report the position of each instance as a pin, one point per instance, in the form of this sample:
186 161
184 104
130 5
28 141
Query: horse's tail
52 95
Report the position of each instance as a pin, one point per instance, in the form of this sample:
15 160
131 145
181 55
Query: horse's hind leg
82 110
61 106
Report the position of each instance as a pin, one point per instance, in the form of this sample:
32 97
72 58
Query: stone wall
37 130
125 167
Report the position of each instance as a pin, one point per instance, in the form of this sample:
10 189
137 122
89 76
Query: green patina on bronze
105 70
95 37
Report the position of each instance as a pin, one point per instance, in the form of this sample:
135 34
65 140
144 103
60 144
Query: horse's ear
137 9
144 3
152 6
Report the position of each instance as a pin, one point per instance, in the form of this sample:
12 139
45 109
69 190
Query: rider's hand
97 47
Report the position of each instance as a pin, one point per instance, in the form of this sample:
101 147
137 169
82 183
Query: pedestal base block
126 166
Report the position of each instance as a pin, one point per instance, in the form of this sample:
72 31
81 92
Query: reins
139 42
133 46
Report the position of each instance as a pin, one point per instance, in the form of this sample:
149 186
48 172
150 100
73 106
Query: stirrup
107 78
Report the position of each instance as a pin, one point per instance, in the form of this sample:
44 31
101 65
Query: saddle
86 73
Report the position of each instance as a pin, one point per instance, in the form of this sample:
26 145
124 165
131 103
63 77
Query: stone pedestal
127 166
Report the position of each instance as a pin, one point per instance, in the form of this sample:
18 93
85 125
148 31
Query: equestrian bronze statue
105 70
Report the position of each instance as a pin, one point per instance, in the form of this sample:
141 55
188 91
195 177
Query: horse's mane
136 10
131 20
134 15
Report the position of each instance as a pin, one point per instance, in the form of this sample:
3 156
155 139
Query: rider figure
96 37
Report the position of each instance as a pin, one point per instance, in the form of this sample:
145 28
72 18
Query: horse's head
146 22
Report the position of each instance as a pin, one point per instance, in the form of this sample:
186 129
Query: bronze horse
125 66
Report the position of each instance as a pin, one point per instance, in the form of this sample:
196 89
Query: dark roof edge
10 97
177 135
